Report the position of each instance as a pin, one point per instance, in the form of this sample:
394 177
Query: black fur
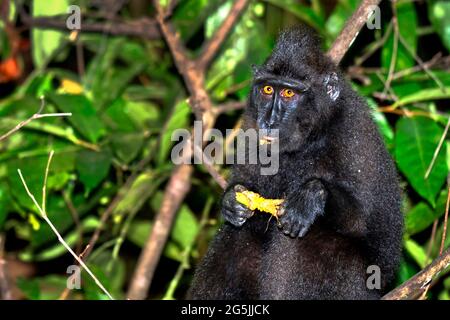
342 207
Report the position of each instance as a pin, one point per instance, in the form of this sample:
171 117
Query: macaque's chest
291 175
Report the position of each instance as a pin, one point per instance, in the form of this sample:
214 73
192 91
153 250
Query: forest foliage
127 99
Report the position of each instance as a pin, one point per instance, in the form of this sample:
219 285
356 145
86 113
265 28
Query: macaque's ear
331 82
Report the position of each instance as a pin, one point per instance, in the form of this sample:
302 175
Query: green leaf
185 228
173 251
127 145
335 23
302 12
405 272
183 234
139 232
5 200
29 287
144 114
191 14
105 77
178 118
93 167
407 25
143 187
423 95
415 143
33 169
57 250
45 42
439 13
84 117
91 289
416 252
59 215
382 123
248 43
117 118
43 288
422 216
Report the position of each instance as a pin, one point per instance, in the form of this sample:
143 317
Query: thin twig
422 64
387 84
438 148
186 254
60 238
35 116
430 246
76 219
374 47
444 232
406 72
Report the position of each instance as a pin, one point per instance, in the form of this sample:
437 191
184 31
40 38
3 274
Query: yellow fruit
254 201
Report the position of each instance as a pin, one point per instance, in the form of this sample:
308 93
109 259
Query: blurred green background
127 98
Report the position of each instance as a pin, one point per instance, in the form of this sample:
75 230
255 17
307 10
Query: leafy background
130 99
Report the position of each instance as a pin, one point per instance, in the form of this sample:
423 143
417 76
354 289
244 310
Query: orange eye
288 93
268 90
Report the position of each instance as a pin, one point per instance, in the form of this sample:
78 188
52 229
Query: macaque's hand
302 208
233 211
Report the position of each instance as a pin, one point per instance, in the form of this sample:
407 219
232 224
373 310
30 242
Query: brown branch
418 284
176 190
351 30
211 47
179 183
143 28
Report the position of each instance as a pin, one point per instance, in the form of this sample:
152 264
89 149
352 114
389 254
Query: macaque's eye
268 90
287 93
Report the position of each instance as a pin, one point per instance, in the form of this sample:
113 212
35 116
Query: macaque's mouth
266 140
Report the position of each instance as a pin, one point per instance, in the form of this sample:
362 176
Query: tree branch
417 284
144 27
174 194
211 47
351 30
179 183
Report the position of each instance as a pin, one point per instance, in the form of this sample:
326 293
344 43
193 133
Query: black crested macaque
341 212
